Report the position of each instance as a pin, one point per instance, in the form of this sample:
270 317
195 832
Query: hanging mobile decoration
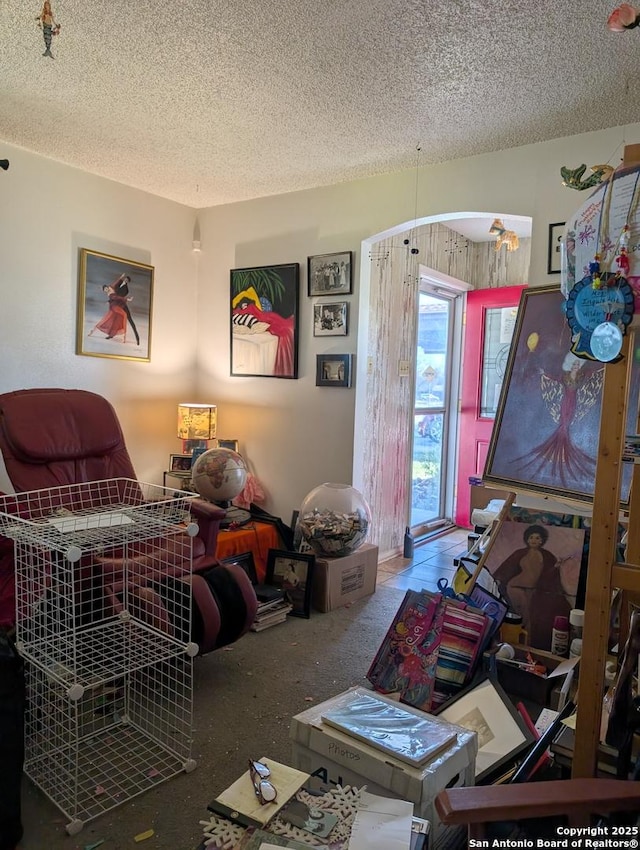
606 341
600 307
587 307
49 26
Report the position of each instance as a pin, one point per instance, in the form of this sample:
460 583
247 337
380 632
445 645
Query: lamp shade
196 421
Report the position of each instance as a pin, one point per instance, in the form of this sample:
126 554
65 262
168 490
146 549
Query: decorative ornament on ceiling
49 26
623 17
504 236
572 177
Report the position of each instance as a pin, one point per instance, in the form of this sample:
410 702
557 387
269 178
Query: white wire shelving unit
103 623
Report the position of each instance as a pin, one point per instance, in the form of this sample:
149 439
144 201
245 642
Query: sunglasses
262 785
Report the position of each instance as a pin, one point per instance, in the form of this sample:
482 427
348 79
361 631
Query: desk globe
219 475
334 520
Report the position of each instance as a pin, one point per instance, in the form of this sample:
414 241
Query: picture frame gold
114 309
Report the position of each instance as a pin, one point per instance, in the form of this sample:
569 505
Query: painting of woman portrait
537 568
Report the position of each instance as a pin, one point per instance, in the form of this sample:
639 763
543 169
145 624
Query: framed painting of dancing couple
115 298
546 432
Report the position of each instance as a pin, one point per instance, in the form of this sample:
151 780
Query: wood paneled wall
392 326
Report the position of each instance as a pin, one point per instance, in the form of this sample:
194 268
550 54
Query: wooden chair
576 799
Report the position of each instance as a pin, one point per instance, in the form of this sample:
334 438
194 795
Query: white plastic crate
103 621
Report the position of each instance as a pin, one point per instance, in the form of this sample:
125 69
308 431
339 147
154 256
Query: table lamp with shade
196 425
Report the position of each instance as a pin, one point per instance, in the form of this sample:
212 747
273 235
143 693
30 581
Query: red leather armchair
55 437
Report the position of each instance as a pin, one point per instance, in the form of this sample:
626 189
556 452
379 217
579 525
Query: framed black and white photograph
331 319
330 274
554 255
115 298
485 709
246 562
293 572
333 370
180 463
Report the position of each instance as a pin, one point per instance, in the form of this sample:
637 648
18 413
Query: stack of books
273 607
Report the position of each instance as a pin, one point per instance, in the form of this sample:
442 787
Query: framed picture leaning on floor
293 572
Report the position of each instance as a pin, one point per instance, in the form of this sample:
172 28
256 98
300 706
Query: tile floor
431 560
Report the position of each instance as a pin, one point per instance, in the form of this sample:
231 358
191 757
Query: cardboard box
338 759
521 683
338 581
479 502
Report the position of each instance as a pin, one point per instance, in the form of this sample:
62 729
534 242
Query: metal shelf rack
103 623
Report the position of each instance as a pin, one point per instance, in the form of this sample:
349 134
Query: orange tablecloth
256 537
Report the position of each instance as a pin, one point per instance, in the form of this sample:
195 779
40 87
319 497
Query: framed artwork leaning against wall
293 572
546 433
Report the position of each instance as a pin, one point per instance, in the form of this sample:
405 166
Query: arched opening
457 248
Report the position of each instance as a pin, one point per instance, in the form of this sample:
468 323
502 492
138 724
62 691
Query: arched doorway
385 416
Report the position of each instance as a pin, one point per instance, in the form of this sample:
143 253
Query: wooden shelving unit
605 572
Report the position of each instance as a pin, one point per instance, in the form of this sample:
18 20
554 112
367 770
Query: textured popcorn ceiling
207 102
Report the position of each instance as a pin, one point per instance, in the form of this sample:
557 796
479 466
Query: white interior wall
47 212
295 435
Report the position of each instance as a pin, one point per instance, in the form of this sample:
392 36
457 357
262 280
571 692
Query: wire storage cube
103 623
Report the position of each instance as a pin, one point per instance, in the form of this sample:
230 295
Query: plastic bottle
408 544
575 650
576 623
512 631
560 636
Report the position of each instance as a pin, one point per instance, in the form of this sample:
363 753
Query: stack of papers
381 824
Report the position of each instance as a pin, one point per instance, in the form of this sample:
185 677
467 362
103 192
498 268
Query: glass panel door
499 323
431 410
491 315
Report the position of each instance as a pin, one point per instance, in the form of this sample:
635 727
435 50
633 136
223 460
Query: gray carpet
244 699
